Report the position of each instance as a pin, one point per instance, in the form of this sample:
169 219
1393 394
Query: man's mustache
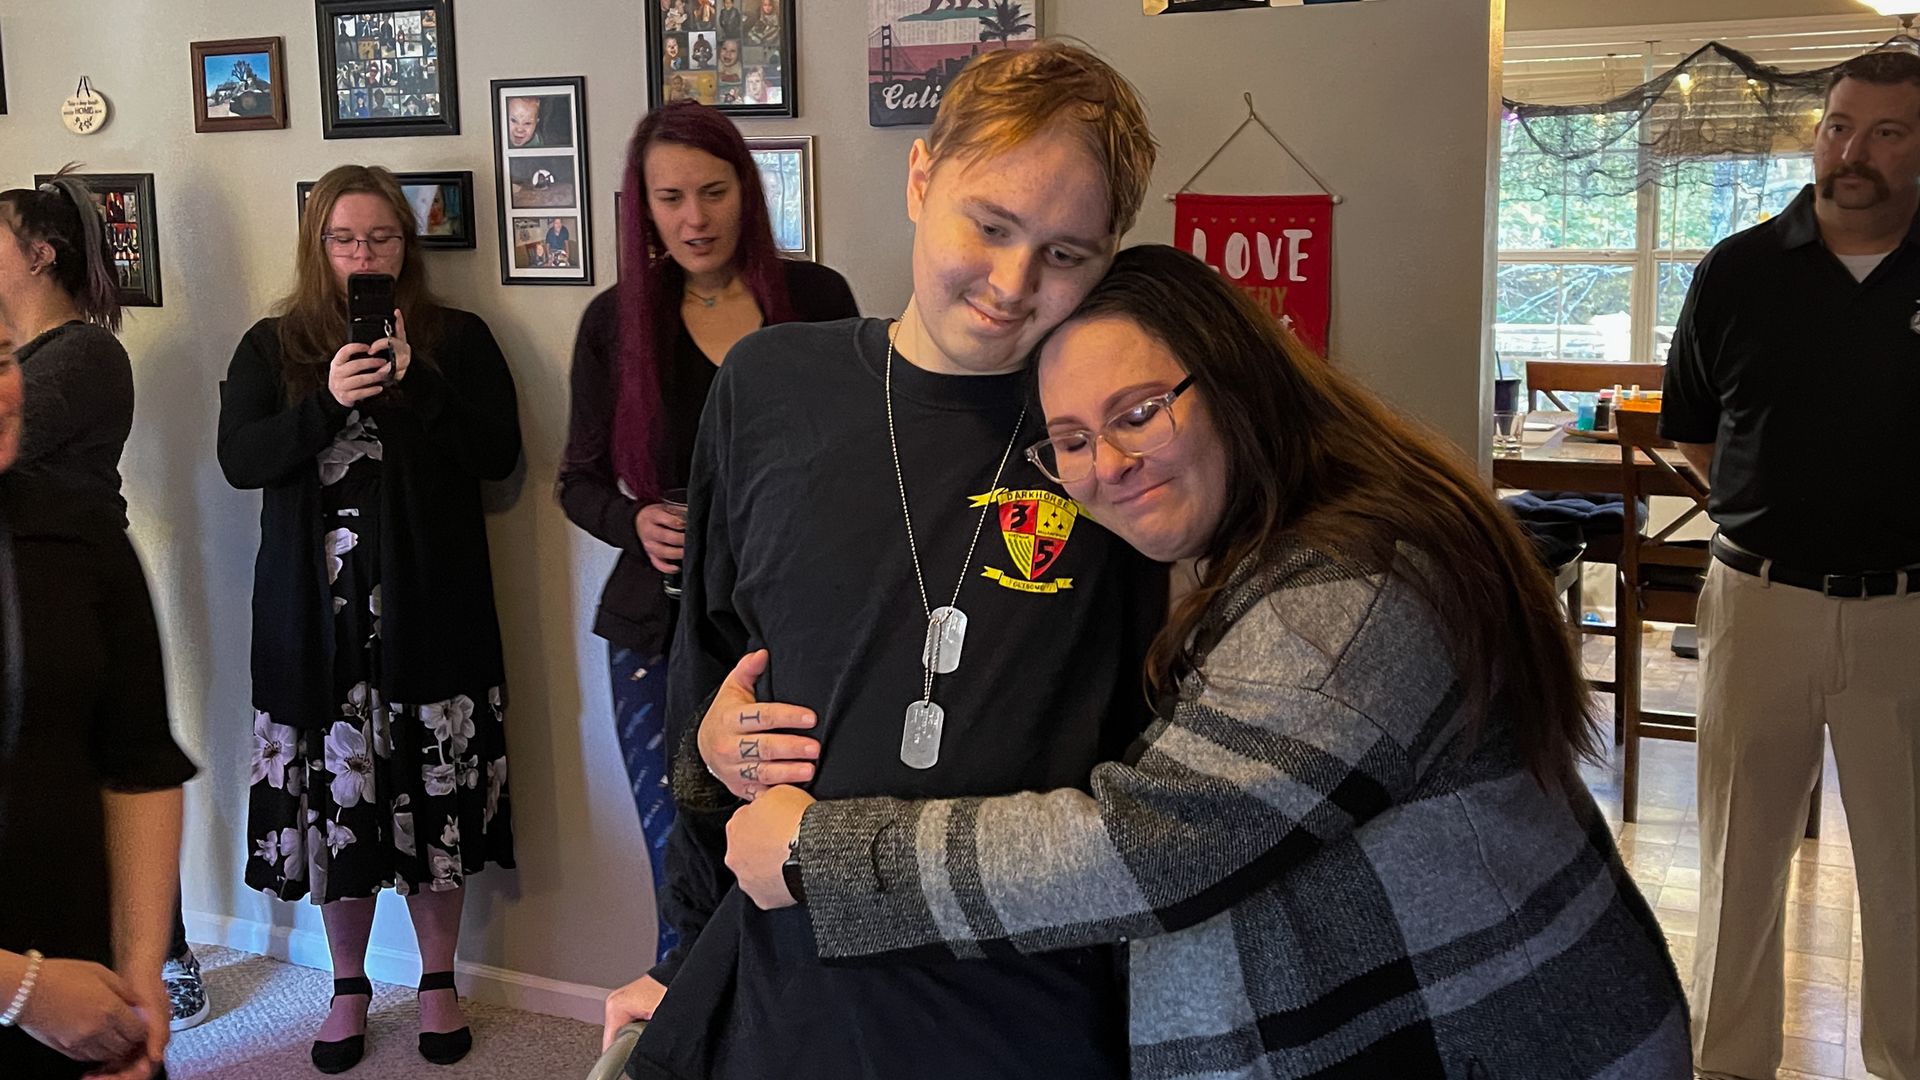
1863 171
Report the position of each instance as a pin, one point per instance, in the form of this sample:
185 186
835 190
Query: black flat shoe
443 1047
343 1054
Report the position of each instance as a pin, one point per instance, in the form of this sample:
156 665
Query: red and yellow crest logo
1036 526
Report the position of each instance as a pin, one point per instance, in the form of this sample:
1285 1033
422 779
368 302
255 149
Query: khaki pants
1777 664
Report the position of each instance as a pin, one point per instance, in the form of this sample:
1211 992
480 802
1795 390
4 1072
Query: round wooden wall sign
86 111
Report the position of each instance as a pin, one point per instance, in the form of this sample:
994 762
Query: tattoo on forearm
749 749
750 772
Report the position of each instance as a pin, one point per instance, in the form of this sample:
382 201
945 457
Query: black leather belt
1845 586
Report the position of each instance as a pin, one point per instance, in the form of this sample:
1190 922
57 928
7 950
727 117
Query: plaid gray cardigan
1313 881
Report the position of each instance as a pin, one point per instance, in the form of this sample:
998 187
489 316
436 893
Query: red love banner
1279 248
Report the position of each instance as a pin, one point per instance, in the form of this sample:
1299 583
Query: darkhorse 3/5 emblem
1036 526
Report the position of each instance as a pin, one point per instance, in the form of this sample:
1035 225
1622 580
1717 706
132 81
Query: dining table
1555 457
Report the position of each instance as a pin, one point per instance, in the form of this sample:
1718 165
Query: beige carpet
265 1013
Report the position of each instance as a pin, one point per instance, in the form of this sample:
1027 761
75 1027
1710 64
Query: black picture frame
248 108
772 48
126 200
383 57
462 235
542 187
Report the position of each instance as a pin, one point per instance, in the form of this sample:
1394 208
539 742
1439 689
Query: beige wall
1576 14
1391 102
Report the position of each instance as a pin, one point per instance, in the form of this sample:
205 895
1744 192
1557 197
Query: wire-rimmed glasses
1137 430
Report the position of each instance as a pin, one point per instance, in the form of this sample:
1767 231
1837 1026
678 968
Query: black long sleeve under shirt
796 543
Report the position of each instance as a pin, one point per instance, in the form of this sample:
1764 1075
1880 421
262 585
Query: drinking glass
1506 431
675 499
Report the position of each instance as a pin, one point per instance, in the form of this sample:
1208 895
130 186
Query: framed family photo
126 201
736 55
387 68
786 176
442 206
540 169
238 85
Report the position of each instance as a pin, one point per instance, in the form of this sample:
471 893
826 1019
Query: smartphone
370 311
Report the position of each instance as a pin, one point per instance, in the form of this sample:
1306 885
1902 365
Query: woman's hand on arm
737 740
759 838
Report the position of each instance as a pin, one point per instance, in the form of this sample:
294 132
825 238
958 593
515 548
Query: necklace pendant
946 635
920 739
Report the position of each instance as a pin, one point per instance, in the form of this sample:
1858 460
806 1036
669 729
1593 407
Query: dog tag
920 739
946 634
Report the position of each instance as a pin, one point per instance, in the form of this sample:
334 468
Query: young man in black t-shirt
861 508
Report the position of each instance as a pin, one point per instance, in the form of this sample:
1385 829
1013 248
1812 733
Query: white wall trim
1706 31
480 982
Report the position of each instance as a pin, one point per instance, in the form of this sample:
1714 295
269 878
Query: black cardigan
457 423
633 610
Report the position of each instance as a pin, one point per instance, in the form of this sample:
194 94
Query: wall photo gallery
387 68
540 154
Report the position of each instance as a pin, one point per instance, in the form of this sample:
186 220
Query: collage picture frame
540 165
133 239
735 55
387 68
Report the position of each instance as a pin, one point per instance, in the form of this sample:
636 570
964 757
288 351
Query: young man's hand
736 741
635 1001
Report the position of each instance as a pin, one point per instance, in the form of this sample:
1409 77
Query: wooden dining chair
1659 581
1552 378
1555 377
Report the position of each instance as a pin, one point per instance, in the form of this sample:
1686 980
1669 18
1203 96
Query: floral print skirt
408 795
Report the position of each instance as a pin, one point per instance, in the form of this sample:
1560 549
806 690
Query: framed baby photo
540 169
387 68
442 206
238 85
736 55
126 201
786 177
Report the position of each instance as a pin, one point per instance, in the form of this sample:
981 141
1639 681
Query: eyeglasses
1135 431
342 244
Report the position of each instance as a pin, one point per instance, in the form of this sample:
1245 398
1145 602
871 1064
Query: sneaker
187 991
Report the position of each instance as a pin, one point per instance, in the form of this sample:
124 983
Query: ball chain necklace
946 626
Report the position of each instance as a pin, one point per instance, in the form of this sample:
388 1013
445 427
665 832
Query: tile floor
1662 849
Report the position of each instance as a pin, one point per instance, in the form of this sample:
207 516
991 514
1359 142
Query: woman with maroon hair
700 272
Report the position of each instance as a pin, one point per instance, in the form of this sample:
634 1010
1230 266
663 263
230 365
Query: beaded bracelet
26 989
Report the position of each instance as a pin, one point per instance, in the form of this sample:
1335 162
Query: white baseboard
480 982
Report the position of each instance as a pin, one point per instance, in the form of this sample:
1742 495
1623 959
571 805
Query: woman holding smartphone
701 273
378 683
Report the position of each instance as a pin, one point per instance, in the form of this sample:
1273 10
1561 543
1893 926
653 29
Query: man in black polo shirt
1792 382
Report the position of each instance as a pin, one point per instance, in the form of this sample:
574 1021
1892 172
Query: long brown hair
61 213
1315 459
652 283
313 318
